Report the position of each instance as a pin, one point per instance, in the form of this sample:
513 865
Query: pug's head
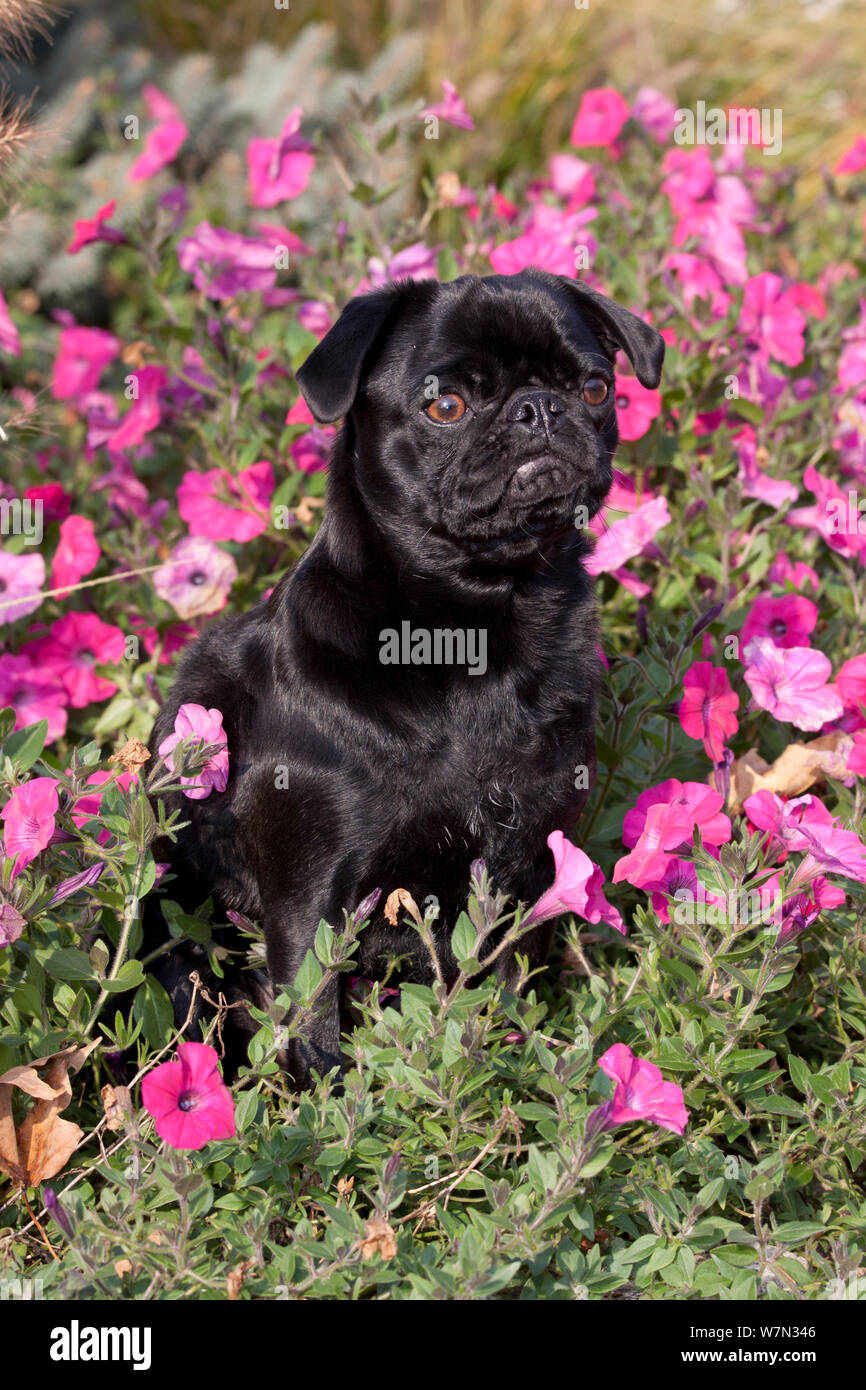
482 411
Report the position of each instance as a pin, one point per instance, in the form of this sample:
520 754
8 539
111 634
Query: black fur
400 776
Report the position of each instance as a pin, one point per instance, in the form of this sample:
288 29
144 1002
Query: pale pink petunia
194 722
188 1099
415 262
224 263
29 820
224 508
577 887
572 179
707 709
641 1094
830 515
830 850
452 109
792 684
781 819
655 112
21 578
77 554
623 540
196 577
601 116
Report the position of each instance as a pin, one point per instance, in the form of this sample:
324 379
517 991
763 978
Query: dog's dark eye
446 409
595 391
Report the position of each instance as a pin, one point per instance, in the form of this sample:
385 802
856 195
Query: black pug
479 429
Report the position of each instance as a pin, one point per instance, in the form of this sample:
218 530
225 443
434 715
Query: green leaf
68 963
153 1008
309 976
25 746
128 976
463 937
795 1232
799 1074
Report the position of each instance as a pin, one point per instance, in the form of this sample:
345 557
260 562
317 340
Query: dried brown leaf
401 897
379 1239
801 766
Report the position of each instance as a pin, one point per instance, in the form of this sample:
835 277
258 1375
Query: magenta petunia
853 161
77 554
537 248
771 317
224 508
830 849
21 577
144 414
602 114
224 263
90 229
788 621
655 112
791 683
280 169
196 577
577 887
206 725
708 708
10 341
663 820
452 108
82 356
312 451
641 1093
188 1099
76 644
636 407
29 820
33 691
851 684
160 147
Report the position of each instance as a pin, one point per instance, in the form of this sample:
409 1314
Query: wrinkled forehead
482 327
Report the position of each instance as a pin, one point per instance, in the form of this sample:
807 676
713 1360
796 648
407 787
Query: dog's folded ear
617 327
330 376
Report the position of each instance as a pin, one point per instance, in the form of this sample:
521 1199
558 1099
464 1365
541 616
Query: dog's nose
536 411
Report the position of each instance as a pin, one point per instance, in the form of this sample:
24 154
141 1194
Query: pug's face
481 411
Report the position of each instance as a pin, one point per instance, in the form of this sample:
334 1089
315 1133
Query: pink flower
699 280
90 229
163 142
572 179
28 818
76 644
622 540
857 756
707 708
451 108
415 262
224 508
641 1094
851 683
636 407
224 263
787 621
55 500
781 819
603 113
315 317
82 356
832 507
791 683
770 316
144 413
34 692
188 1099
20 576
196 578
10 342
661 821
689 178
853 160
312 451
542 249
206 725
280 169
655 112
77 553
783 570
300 413
830 850
577 887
